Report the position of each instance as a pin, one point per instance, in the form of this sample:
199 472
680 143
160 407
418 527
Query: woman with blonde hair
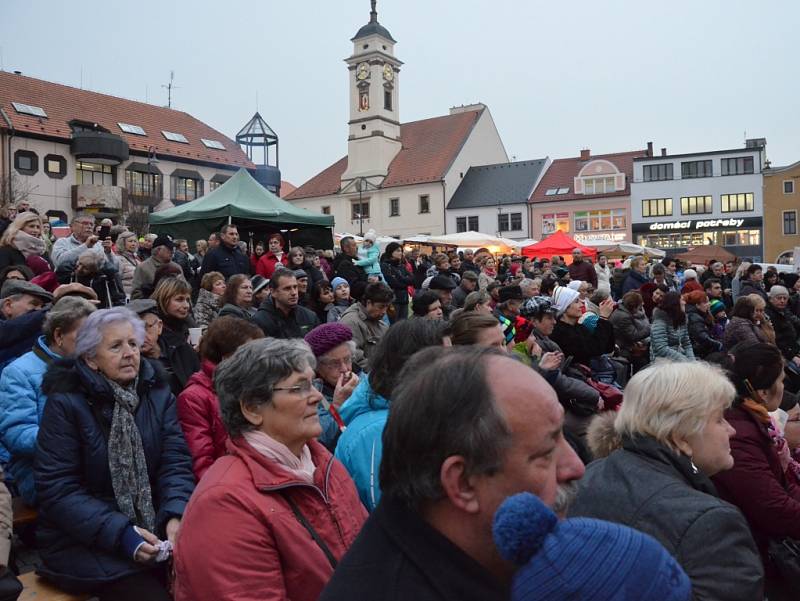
748 323
128 253
22 239
179 358
663 446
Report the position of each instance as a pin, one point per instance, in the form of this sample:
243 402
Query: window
94 174
551 222
738 166
424 204
387 100
142 184
599 185
217 180
788 186
516 222
694 205
394 207
461 224
509 222
562 191
656 207
551 192
29 109
601 220
657 173
741 238
326 210
26 162
55 166
472 223
173 137
212 144
790 223
187 188
734 203
357 213
696 169
502 222
132 129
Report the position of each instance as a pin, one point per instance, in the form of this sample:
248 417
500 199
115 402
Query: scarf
301 467
492 273
789 464
126 459
28 245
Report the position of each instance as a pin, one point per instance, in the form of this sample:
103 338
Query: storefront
742 236
584 220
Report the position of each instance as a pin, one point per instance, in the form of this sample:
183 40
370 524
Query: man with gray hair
82 238
145 274
456 444
469 283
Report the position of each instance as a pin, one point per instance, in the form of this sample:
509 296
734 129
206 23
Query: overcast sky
557 76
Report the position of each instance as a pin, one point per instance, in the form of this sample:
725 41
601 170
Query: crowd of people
265 421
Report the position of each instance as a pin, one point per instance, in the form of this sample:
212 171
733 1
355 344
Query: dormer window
599 185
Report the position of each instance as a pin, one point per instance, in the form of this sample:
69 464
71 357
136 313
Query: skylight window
173 137
212 144
551 192
29 109
132 129
563 190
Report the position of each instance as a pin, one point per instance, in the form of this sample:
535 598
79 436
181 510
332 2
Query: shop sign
696 225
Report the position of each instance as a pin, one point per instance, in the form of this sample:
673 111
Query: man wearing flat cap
145 274
443 286
21 318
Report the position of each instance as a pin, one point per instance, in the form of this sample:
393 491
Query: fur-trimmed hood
73 376
601 437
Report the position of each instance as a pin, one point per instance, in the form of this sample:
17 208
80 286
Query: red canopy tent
557 244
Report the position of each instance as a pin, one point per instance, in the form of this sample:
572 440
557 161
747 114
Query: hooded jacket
299 322
367 332
668 341
80 526
360 446
240 540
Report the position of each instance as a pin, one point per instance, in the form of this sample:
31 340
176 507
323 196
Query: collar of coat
70 376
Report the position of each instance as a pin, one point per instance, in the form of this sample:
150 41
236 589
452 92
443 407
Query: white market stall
623 249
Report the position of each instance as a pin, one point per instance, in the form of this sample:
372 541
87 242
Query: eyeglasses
302 389
330 362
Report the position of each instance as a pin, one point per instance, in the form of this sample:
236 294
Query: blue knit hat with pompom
582 558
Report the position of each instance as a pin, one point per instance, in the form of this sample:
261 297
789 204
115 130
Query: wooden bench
23 514
38 589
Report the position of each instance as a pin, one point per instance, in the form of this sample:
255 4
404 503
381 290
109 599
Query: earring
694 467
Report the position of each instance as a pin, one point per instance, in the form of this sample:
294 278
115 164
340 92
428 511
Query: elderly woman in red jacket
765 481
271 519
198 405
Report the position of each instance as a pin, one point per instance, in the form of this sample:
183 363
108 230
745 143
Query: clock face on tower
362 71
388 73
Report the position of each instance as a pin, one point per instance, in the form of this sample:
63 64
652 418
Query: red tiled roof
64 103
562 172
287 188
429 148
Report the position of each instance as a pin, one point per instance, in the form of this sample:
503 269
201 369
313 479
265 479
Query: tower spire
373 14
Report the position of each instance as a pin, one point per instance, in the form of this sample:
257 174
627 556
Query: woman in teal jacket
21 398
360 447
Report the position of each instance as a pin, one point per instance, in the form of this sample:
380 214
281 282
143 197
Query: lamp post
360 188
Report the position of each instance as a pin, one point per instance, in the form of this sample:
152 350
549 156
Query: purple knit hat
327 337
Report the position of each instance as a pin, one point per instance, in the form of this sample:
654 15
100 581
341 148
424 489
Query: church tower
374 126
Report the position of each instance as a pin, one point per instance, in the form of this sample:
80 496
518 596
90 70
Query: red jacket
198 413
240 541
758 485
268 262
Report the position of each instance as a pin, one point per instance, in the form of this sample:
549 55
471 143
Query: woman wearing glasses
273 517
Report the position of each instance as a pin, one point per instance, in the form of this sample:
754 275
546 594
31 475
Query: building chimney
663 152
585 154
649 149
17 72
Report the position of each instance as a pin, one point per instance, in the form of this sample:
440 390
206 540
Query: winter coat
484 279
368 259
700 329
127 267
269 262
582 344
299 322
69 249
787 330
21 405
6 521
398 556
398 280
241 541
232 310
667 341
144 275
178 356
345 267
629 328
106 284
583 270
758 485
227 260
367 333
649 487
336 310
633 281
18 336
207 308
80 525
199 416
603 277
741 329
360 447
9 255
749 287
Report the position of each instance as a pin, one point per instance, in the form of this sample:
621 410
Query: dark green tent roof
241 197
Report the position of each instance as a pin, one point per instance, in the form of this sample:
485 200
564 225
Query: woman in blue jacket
21 397
360 448
112 469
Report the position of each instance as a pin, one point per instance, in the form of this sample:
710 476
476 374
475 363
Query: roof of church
429 147
500 184
63 104
562 173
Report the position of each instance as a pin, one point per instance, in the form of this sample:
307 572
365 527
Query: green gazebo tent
249 205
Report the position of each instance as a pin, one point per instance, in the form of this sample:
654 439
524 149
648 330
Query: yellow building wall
776 202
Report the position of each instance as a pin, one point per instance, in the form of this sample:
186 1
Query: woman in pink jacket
270 520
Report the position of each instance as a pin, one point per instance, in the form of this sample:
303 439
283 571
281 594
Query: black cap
508 293
441 282
536 307
164 240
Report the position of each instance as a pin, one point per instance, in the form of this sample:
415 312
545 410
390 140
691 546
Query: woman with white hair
128 259
112 470
667 440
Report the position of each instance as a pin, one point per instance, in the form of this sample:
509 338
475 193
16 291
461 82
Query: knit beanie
690 274
582 558
337 281
717 306
575 284
563 297
327 337
371 236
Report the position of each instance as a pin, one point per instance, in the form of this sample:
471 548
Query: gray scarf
126 459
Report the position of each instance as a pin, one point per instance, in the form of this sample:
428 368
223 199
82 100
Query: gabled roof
500 184
63 104
287 188
429 148
562 172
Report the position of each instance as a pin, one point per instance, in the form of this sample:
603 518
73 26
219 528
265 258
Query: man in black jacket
227 258
280 316
343 265
785 323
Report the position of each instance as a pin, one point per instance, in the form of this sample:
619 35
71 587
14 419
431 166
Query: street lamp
360 189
